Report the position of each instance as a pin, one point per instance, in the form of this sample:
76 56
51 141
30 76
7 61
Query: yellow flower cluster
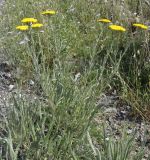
29 20
22 28
48 12
37 25
104 20
33 22
142 26
120 28
117 28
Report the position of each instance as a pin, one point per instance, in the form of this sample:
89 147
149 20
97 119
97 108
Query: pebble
11 87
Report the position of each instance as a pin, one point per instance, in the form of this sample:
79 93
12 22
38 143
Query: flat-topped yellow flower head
37 25
22 28
103 20
117 28
142 26
48 12
29 20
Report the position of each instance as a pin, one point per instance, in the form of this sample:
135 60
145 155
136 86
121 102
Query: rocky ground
6 83
117 116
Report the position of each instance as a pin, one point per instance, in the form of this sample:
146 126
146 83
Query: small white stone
11 87
9 75
107 139
31 82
